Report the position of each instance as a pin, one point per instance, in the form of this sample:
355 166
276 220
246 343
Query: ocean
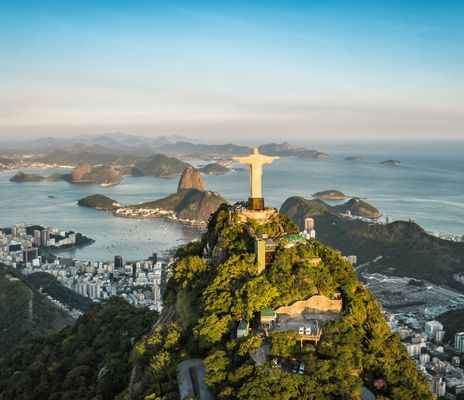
428 187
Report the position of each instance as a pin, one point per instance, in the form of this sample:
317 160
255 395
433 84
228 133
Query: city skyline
328 70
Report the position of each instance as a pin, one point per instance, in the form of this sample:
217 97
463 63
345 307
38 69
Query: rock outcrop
191 201
80 171
102 174
191 179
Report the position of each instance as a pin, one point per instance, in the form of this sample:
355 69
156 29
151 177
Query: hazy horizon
223 72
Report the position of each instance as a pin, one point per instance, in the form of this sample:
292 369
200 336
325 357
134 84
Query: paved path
261 354
367 394
188 370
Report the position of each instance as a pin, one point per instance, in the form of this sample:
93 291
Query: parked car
301 330
301 369
308 330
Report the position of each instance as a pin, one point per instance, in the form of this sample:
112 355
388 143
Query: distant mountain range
122 146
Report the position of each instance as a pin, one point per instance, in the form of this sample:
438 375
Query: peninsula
192 204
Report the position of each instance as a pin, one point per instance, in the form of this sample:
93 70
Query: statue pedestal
256 203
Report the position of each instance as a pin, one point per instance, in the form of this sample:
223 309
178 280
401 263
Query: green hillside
50 285
25 313
89 360
215 285
359 208
101 174
406 249
188 204
160 166
453 322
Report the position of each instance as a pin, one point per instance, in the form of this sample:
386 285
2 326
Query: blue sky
276 69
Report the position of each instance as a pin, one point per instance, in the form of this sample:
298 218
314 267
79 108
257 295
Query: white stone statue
256 162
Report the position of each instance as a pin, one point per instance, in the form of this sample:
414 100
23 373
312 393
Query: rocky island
23 177
105 175
394 163
214 169
330 195
285 149
99 202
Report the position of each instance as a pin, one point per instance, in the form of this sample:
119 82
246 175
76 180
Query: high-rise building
459 341
388 219
118 262
94 290
37 237
134 271
424 358
437 386
45 237
439 336
309 224
432 327
414 349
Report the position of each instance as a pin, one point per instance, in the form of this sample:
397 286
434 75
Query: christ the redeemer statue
256 162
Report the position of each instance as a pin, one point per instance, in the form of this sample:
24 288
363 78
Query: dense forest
25 312
89 360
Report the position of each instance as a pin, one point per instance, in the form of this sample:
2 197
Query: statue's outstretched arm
243 160
268 160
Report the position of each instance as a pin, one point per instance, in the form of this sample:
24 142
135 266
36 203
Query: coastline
86 241
167 215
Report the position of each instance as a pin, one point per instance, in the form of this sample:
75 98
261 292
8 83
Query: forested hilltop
215 287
